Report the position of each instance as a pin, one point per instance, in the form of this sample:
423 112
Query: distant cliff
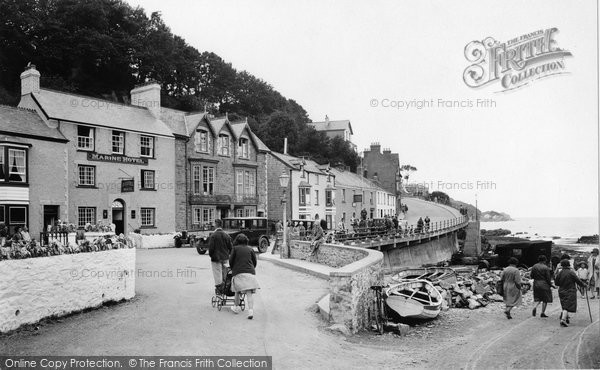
493 216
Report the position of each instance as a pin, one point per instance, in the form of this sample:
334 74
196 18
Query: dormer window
85 138
202 141
224 145
243 148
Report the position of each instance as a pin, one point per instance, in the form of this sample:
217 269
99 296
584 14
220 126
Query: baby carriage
224 296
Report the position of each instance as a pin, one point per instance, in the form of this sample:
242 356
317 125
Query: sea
561 230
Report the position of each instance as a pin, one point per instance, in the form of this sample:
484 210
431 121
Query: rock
473 304
339 328
496 298
404 329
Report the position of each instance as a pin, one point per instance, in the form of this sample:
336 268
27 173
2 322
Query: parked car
257 229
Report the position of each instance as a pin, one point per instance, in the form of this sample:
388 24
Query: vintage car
255 228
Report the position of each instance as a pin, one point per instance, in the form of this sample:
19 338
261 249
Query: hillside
493 216
103 48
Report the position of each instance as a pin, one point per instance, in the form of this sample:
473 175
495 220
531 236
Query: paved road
420 208
174 316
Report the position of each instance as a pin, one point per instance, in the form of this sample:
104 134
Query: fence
60 236
372 232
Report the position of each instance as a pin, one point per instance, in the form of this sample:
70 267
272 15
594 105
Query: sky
529 152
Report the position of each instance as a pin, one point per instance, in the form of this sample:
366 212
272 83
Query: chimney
148 96
387 151
376 147
285 146
30 80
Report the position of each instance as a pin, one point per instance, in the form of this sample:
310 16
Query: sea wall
438 249
356 270
35 288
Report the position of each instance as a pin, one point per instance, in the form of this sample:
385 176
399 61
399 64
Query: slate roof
332 125
99 112
353 180
180 122
27 123
295 162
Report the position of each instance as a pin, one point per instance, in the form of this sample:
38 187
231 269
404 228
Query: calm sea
567 228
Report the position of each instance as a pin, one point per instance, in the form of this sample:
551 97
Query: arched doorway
118 215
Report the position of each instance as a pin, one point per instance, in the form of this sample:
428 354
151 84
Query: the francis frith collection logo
514 63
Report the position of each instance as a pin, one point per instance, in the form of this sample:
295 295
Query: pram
224 296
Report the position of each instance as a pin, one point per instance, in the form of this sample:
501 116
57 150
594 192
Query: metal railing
403 231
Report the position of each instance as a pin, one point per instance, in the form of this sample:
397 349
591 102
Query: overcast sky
535 153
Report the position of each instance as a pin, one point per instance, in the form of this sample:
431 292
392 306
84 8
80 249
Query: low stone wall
35 288
331 255
152 241
350 294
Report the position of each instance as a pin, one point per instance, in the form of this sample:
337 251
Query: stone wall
350 294
331 255
35 288
152 241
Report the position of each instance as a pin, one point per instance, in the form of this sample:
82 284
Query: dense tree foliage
103 48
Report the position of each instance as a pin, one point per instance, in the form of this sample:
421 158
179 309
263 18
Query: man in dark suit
219 249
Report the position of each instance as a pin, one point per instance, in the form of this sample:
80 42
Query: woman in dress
594 273
511 282
243 262
567 280
542 283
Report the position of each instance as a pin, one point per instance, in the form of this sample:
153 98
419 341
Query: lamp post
284 179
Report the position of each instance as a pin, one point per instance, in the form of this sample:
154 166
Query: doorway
118 216
51 214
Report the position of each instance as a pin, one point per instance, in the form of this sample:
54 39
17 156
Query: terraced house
120 158
221 170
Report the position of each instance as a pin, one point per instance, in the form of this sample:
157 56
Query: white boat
415 299
433 274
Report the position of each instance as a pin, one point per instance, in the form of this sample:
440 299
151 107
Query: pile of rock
476 290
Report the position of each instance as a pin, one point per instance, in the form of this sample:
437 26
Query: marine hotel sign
116 159
516 62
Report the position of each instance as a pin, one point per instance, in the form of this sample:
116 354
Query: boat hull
415 299
433 274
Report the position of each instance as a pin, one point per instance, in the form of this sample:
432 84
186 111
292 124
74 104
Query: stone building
310 192
120 158
32 158
355 193
383 168
220 169
341 128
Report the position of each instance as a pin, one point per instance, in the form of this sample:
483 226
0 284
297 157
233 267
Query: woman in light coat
511 282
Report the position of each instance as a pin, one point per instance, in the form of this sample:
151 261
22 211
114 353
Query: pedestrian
317 236
278 236
594 273
582 273
219 249
419 225
243 270
3 233
511 283
25 235
542 283
566 279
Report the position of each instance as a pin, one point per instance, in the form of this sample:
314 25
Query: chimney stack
376 147
148 96
30 80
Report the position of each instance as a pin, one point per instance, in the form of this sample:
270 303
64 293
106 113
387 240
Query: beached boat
415 299
433 274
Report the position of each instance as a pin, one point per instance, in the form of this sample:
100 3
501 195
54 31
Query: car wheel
201 250
263 245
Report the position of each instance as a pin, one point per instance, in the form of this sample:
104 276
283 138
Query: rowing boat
433 274
415 299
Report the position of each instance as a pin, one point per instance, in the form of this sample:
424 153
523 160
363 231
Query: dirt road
174 316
